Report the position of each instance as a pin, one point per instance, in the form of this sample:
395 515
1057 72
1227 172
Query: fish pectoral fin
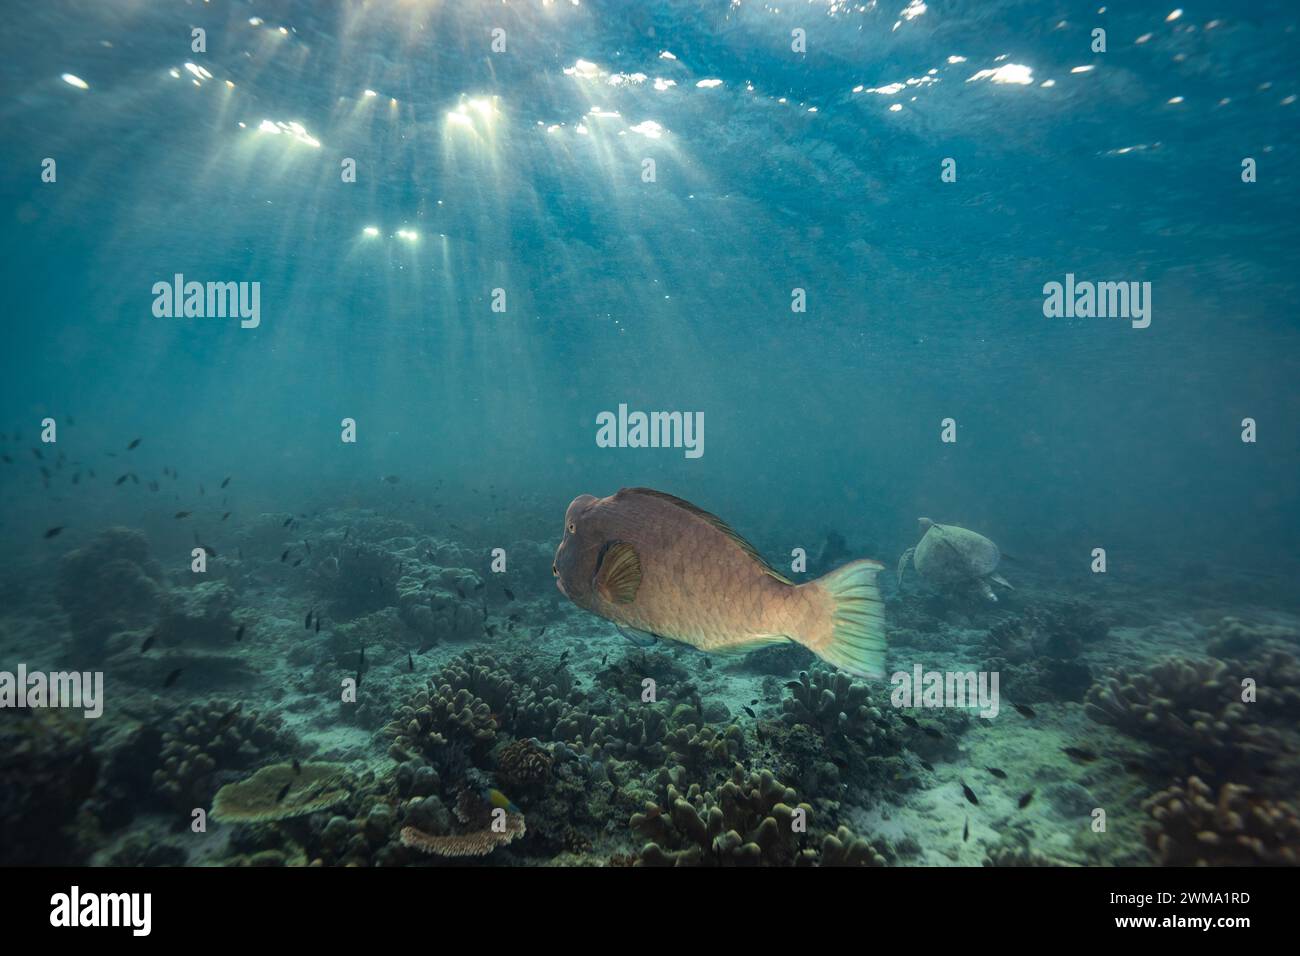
999 579
619 574
636 636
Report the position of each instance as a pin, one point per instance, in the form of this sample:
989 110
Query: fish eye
555 571
572 528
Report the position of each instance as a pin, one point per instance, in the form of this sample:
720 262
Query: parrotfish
658 566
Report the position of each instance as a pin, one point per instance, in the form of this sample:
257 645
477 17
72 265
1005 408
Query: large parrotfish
656 565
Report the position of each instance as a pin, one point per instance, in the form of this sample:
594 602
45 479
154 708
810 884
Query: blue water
524 170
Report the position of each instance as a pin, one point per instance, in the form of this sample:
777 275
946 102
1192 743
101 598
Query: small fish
965 831
239 634
287 521
182 514
604 659
153 486
754 701
228 718
225 516
135 479
410 661
212 552
37 453
120 480
509 593
298 562
7 459
708 664
750 712
793 685
45 473
1079 753
173 677
284 557
500 800
932 732
135 443
361 664
461 592
297 767
148 643
201 491
969 794
284 792
54 532
1025 710
909 720
1000 774
1025 799
542 631
306 625
317 623
927 765
391 479
226 482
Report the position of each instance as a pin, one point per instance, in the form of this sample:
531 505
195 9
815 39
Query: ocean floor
496 724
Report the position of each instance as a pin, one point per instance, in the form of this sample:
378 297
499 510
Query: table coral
281 791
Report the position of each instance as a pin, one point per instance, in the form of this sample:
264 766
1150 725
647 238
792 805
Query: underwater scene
597 433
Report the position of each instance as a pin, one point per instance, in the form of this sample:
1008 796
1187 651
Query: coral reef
1195 826
109 585
47 768
202 614
1038 650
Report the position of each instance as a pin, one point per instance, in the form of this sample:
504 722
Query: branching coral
1195 826
1193 710
747 821
524 763
205 738
440 714
833 703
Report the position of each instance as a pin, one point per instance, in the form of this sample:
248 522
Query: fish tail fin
849 630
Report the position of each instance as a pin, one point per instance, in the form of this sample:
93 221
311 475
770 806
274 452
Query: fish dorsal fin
714 522
619 573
